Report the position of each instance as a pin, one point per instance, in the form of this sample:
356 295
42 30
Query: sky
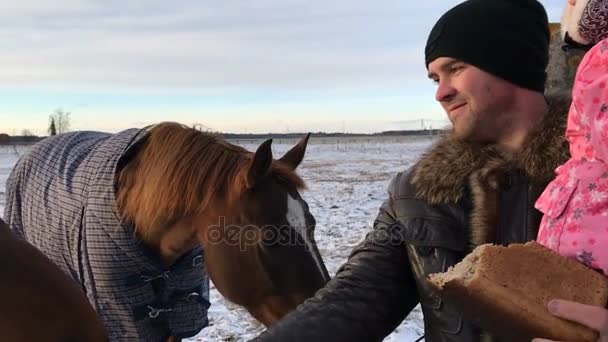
229 65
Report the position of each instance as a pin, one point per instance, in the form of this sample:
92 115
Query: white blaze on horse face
297 220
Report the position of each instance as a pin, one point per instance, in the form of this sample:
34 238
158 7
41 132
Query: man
477 185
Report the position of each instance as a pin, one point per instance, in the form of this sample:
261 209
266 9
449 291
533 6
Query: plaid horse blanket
61 198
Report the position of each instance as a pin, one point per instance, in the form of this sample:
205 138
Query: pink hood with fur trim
586 22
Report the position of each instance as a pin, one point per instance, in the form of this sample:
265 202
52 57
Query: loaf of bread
505 290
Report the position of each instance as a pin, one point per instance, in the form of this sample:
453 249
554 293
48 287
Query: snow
347 180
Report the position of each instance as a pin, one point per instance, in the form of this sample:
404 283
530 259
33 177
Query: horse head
262 253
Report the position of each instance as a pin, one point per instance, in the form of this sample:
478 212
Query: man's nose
445 91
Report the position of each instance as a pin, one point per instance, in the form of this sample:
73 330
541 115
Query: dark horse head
186 187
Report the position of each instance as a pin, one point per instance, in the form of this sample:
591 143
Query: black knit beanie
506 38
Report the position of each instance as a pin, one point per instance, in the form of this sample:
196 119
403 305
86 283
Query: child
584 22
575 204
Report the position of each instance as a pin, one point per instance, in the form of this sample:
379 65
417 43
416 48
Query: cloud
215 44
267 44
234 57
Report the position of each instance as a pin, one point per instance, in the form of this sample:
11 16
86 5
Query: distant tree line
6 139
331 134
59 122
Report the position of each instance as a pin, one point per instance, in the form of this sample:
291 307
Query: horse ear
261 164
294 157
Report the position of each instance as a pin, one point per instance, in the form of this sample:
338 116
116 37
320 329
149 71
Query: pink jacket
575 204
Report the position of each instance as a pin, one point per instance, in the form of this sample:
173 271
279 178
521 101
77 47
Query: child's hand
594 317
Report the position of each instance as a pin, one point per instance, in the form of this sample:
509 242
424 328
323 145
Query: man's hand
594 317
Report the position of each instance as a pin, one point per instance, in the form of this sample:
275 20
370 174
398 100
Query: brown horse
38 302
185 187
172 189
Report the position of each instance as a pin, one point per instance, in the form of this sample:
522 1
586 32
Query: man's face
477 103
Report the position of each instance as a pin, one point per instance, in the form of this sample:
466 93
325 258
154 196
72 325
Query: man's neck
527 115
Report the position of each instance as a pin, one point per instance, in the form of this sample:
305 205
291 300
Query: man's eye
435 81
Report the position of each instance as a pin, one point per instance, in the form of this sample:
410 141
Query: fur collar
443 173
453 167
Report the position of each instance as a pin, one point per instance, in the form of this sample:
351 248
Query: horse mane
179 170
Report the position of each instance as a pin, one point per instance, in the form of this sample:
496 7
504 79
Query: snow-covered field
347 180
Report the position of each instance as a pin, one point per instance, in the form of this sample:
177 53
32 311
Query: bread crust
506 291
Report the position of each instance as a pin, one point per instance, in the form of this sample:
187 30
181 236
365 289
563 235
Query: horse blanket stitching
61 197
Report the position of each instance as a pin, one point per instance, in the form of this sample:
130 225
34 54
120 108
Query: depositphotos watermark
288 235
